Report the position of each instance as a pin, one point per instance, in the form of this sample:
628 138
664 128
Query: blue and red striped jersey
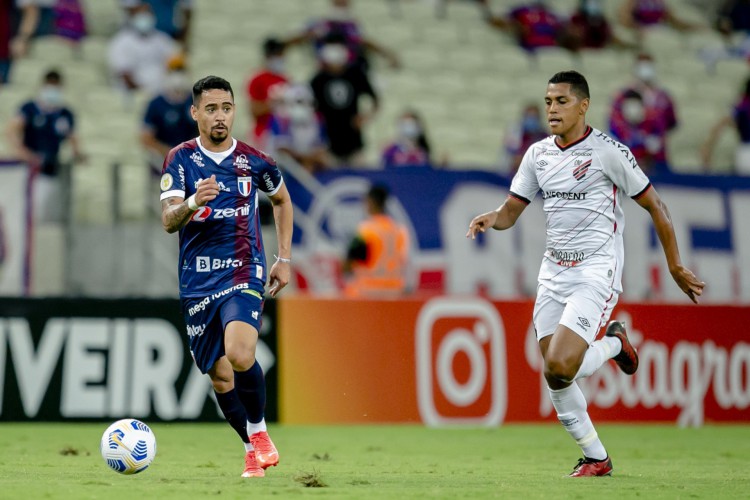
221 246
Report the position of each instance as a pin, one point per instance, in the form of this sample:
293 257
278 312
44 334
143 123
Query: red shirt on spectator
263 86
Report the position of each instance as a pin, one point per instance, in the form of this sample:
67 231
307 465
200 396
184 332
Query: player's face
565 110
214 114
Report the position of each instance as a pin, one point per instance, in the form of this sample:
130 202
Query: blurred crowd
319 124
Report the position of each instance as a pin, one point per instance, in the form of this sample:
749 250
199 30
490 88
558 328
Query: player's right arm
176 211
523 188
502 218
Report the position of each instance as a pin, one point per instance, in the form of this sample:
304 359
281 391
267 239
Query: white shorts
584 308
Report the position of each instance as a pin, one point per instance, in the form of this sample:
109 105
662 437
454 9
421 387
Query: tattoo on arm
174 214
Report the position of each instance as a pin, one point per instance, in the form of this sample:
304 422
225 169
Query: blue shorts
207 318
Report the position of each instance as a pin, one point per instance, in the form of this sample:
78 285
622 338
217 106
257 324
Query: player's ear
584 106
193 111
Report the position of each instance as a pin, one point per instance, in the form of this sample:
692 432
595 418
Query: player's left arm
283 216
684 277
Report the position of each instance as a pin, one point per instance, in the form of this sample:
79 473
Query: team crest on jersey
244 184
197 159
241 162
581 167
166 182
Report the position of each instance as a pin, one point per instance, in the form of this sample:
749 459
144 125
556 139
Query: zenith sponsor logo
563 196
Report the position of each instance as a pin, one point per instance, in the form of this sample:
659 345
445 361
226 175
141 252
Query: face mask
51 96
645 71
299 113
176 82
633 111
592 8
530 124
334 54
408 129
340 14
276 64
143 22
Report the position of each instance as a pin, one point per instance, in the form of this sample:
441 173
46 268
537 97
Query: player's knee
559 369
241 360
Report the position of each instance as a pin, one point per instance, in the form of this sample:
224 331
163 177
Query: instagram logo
461 365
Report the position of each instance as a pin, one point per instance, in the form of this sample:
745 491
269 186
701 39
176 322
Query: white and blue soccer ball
128 446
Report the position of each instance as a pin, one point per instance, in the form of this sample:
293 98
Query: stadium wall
467 360
85 359
436 206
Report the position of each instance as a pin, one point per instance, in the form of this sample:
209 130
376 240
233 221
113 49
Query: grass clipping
310 479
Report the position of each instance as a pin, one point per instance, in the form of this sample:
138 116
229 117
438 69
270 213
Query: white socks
597 354
259 427
570 404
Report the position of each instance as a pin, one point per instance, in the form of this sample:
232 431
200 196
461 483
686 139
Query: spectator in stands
167 121
534 25
639 15
18 25
265 89
378 255
341 22
297 131
138 53
643 134
70 22
740 119
338 88
658 106
733 23
588 28
173 17
526 132
410 147
37 133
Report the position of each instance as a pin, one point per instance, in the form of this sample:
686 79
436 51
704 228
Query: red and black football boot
627 360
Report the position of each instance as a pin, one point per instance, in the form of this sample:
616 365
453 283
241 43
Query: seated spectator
138 53
297 131
588 28
173 17
338 88
533 25
167 121
640 15
733 23
265 88
644 135
520 136
740 119
658 106
341 22
37 133
410 148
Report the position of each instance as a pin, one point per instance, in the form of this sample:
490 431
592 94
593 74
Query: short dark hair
273 47
378 194
577 81
53 76
210 83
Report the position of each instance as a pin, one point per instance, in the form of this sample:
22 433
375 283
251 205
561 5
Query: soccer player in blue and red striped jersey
209 193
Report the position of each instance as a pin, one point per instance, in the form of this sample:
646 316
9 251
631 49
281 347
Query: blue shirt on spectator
44 131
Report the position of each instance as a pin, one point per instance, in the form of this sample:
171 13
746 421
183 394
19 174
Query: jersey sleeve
173 177
624 172
268 175
525 183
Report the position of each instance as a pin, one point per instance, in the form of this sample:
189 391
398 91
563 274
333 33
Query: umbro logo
583 323
541 164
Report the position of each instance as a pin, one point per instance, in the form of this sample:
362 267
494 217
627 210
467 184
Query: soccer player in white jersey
582 173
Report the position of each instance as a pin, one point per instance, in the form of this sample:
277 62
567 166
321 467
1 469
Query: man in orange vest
378 254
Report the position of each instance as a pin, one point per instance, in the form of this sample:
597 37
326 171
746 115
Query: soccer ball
128 446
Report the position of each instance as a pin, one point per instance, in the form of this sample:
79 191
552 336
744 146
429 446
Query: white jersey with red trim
581 185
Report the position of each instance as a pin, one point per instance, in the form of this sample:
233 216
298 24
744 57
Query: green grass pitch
46 460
